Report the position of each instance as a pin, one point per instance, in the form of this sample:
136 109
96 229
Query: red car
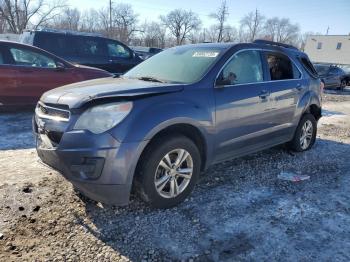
26 72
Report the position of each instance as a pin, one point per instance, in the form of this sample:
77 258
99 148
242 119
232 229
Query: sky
310 15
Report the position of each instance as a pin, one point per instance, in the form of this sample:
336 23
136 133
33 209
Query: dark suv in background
333 76
84 48
157 126
146 52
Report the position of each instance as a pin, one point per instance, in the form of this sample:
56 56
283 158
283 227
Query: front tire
168 171
305 134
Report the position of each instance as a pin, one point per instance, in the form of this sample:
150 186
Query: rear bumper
97 165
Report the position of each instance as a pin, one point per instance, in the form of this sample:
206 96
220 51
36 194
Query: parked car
85 49
332 76
346 69
27 72
146 52
160 124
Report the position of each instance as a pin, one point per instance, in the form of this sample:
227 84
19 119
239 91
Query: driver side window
244 67
117 50
25 57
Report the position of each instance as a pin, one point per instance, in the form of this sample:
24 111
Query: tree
282 30
153 34
90 21
69 19
19 14
124 21
252 25
229 34
2 25
303 38
181 23
221 16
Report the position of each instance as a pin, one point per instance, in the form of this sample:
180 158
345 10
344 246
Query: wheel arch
310 103
188 130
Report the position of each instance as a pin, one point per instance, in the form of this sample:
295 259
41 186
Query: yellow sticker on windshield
205 54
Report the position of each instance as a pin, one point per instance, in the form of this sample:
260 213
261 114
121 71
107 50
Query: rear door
241 105
8 79
36 73
285 87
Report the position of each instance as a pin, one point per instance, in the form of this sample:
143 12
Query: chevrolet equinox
158 126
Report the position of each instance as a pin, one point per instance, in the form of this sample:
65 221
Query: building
334 49
9 37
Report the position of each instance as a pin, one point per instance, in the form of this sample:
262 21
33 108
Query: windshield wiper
150 79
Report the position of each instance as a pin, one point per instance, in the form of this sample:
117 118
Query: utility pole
110 15
327 30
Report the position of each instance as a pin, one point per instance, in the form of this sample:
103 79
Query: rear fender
308 99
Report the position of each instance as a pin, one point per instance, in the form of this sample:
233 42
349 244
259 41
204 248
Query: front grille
52 112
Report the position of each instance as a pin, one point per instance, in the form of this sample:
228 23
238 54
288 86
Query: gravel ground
239 211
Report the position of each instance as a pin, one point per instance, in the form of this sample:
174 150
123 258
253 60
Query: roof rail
267 42
68 32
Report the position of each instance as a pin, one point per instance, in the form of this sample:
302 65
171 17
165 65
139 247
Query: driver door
241 105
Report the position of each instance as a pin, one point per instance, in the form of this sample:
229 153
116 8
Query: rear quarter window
308 67
60 45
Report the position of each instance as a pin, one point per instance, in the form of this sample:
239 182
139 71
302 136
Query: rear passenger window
308 67
244 67
281 67
91 47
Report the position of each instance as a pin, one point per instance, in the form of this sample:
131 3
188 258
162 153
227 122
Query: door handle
264 94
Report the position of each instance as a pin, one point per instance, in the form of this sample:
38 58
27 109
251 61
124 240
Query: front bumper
97 165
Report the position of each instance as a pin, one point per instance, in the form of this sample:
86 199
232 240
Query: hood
75 95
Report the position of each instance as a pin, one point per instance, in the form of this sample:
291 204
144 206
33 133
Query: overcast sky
311 15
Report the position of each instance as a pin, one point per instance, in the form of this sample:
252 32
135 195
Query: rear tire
305 134
342 85
161 181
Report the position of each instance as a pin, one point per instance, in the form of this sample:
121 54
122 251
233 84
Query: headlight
101 118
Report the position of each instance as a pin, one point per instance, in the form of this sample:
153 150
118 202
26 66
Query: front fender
153 114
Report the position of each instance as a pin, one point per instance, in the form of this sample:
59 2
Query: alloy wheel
306 134
174 173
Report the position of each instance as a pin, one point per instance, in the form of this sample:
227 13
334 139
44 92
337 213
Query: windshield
176 65
321 70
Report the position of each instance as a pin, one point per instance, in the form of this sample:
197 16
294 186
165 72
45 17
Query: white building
334 49
9 37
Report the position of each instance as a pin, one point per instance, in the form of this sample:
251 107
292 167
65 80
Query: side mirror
60 66
219 84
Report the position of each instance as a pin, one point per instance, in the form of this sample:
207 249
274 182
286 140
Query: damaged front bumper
97 165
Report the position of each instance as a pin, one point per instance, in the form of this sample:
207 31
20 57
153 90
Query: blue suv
155 128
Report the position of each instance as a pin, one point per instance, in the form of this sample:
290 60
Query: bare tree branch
221 16
180 23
